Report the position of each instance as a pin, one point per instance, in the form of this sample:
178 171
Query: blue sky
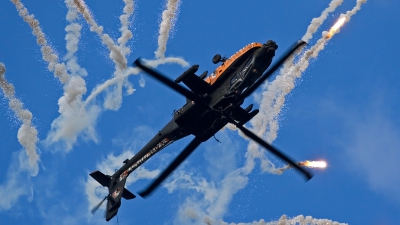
342 109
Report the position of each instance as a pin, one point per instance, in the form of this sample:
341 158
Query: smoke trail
300 220
74 118
115 51
27 133
317 22
347 17
131 70
126 34
65 127
311 29
47 52
356 8
114 97
274 97
168 19
72 39
169 16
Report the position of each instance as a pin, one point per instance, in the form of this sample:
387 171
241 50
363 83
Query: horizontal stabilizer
100 177
127 194
104 180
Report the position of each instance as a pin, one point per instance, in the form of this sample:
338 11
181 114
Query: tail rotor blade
94 210
275 151
177 161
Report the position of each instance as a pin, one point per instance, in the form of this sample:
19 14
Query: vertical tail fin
114 196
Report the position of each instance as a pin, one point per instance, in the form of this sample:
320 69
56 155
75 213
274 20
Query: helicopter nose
272 44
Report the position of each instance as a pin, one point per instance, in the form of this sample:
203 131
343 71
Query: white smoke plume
347 16
126 34
116 54
113 99
47 52
27 133
72 39
156 62
74 86
317 22
356 8
169 17
151 63
266 122
74 119
311 29
284 220
274 97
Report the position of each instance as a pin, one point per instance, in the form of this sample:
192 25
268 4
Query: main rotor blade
177 161
163 79
275 151
272 69
94 210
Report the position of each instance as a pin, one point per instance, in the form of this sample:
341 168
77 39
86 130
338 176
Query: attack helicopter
211 103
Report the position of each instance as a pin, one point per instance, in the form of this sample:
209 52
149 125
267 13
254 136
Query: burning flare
336 27
313 164
310 164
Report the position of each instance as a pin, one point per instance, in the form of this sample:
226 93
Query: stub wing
243 116
196 84
193 82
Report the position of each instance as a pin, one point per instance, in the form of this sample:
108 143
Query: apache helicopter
211 103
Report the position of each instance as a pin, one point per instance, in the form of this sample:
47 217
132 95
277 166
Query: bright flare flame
336 27
313 164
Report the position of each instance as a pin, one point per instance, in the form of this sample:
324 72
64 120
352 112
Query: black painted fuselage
220 95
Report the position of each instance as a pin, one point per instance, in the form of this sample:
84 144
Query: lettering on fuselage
164 142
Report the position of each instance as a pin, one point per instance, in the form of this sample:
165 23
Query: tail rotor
94 210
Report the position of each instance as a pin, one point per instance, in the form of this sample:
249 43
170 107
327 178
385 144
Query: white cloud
17 183
374 152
